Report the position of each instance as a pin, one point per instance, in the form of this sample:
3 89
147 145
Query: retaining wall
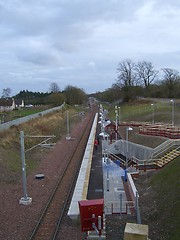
135 150
131 186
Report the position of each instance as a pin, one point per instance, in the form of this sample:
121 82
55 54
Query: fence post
137 210
107 179
120 198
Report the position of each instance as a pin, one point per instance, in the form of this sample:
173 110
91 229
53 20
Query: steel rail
52 197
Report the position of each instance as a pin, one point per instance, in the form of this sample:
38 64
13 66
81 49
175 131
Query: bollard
120 198
108 184
125 174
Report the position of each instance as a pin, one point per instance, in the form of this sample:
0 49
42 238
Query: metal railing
159 152
114 157
162 148
123 207
119 207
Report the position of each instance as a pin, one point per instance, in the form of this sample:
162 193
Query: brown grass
10 157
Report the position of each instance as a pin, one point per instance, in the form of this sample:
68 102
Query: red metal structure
91 215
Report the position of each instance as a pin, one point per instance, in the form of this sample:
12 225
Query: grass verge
10 150
166 184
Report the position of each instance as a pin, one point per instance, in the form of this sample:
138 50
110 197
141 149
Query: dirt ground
17 221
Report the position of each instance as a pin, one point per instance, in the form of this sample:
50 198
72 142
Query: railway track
50 220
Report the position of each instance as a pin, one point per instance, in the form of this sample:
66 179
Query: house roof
7 102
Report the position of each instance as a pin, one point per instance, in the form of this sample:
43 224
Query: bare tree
171 79
126 73
146 73
127 79
6 92
54 87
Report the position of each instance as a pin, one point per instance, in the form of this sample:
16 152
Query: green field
143 111
11 115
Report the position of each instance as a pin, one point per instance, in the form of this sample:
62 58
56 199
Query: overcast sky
81 42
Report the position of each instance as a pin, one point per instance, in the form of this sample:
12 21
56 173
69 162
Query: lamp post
127 149
67 123
152 113
172 101
116 112
119 113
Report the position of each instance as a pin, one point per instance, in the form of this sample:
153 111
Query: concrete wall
135 150
131 186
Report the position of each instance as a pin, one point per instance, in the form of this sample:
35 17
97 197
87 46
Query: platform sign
90 210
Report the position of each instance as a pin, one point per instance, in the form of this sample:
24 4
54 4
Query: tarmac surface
106 181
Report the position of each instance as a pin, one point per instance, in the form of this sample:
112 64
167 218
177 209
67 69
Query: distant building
10 104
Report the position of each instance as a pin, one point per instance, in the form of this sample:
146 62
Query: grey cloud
40 58
36 17
82 41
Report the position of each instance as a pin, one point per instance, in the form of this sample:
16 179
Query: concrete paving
104 180
114 193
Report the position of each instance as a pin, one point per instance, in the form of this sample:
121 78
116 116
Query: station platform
106 181
99 177
81 188
114 193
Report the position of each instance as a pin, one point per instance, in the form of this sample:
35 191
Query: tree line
71 95
134 80
141 79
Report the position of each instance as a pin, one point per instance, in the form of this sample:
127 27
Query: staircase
118 160
168 157
161 155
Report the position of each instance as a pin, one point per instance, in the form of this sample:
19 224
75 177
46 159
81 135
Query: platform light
172 101
152 113
127 149
119 113
116 113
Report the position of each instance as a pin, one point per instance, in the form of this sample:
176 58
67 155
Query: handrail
144 161
116 157
155 156
114 206
162 144
160 149
164 147
150 160
177 142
